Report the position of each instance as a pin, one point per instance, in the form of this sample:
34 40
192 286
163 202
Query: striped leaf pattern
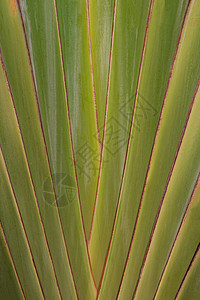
99 149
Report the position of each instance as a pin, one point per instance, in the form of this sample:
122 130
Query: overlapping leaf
99 149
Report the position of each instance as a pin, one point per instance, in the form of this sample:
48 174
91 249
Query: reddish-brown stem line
188 270
71 138
46 151
92 70
154 142
28 167
178 234
105 119
167 184
37 103
22 224
12 261
128 146
35 92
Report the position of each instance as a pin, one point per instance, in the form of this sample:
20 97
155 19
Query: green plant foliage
99 149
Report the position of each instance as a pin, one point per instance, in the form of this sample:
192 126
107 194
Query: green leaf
181 184
126 52
63 225
101 25
178 98
182 252
151 90
74 37
99 149
10 286
190 288
16 239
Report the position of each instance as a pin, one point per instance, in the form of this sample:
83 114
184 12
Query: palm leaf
99 149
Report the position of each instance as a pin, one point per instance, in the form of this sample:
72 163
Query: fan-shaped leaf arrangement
99 149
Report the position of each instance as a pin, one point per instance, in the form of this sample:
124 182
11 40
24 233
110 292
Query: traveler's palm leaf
99 149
